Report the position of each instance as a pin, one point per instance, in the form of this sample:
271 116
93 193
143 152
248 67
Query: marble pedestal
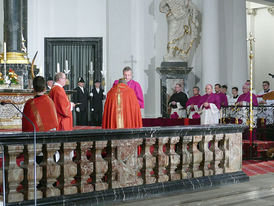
171 73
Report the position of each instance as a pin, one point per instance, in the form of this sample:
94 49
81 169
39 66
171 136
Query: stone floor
259 191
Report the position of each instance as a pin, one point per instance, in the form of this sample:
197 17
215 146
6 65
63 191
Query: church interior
178 143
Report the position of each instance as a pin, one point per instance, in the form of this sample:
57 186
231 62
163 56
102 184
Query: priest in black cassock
80 98
177 102
97 97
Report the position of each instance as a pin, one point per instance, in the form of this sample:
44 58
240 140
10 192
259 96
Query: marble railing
81 165
240 114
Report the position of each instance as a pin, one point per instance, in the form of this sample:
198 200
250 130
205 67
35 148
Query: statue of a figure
182 19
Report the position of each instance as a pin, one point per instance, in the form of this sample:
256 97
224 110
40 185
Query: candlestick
58 67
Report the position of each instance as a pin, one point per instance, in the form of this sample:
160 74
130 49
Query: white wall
262 27
64 18
1 25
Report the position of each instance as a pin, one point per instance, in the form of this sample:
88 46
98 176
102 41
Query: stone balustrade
114 165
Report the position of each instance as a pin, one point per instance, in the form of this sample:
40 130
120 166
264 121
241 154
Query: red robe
63 107
122 109
41 111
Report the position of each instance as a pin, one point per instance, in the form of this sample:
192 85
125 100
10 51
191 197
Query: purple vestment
193 100
210 98
137 89
246 98
223 99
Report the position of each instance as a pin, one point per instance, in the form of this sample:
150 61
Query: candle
58 67
91 67
5 52
66 65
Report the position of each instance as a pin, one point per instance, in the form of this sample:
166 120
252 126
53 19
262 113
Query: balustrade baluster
163 160
197 157
30 169
101 166
208 155
186 157
70 169
174 159
52 169
149 162
86 167
15 173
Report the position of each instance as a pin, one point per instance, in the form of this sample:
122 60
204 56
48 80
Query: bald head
245 88
208 89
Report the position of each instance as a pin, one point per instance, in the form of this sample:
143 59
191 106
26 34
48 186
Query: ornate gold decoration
15 58
251 39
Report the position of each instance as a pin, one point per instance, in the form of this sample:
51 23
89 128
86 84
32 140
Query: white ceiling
265 2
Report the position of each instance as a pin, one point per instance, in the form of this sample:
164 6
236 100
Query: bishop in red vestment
62 103
40 110
122 109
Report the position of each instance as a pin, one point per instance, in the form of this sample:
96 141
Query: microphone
272 75
34 148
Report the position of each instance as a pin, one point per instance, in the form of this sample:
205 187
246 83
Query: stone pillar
12 25
210 42
240 68
15 24
24 20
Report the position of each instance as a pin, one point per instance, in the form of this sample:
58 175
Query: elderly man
127 73
244 99
210 105
62 103
192 104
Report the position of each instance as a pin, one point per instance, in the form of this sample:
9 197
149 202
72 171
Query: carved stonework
186 157
174 159
15 174
150 161
70 169
234 152
53 170
208 155
39 174
163 160
101 167
86 168
125 164
183 28
197 157
218 163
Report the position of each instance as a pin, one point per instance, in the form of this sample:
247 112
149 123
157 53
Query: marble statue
183 24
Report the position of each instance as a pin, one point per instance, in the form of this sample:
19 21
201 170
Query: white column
210 42
240 58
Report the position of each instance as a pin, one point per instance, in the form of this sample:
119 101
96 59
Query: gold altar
10 118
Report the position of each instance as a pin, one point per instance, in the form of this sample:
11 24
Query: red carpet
256 167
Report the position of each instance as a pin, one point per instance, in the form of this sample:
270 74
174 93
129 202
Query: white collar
55 83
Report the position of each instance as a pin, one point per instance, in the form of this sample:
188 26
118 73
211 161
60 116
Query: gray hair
58 76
